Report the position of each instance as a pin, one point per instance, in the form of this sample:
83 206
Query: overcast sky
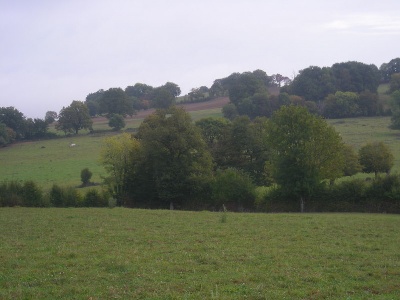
53 52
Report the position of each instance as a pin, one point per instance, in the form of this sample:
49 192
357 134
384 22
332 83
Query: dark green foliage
176 166
32 194
212 129
242 145
56 196
376 157
115 101
14 119
390 68
94 199
117 122
7 135
50 117
93 102
36 128
162 98
229 111
351 162
16 193
73 118
305 151
233 189
11 193
395 105
356 77
139 90
380 195
394 83
86 175
313 83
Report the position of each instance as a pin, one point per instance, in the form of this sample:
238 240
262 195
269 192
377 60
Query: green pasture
359 131
52 161
150 254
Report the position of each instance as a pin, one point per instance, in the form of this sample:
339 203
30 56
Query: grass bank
152 254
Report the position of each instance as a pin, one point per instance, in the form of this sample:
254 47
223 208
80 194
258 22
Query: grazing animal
72 145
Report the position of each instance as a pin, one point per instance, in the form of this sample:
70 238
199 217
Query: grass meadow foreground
151 254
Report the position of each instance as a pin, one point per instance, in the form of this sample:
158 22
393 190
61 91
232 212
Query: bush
32 194
56 196
11 193
64 196
233 188
94 199
116 122
86 175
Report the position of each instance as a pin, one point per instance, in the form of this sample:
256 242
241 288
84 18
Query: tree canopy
73 118
376 157
176 164
305 151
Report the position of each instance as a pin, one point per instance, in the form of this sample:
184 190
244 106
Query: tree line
342 90
172 162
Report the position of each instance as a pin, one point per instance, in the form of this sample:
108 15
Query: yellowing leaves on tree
118 155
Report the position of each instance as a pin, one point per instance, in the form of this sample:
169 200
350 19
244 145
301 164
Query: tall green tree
313 84
162 98
305 151
390 68
394 82
120 155
115 101
243 146
14 119
355 77
176 165
73 118
376 157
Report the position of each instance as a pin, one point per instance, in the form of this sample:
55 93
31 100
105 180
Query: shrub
64 196
71 197
11 193
233 187
94 199
116 122
32 194
56 196
86 175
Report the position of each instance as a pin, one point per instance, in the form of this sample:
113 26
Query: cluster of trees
28 193
116 101
343 90
15 126
172 162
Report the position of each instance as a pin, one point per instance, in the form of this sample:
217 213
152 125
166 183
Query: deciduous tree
176 165
119 155
305 151
376 157
73 118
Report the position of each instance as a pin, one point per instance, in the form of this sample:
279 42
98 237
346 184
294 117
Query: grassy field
359 131
54 161
149 254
